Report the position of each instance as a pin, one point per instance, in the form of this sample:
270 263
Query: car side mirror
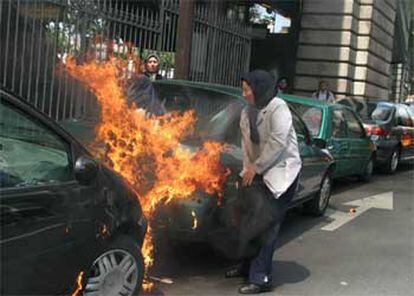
86 169
320 143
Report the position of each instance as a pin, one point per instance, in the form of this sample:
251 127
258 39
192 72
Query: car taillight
407 140
376 130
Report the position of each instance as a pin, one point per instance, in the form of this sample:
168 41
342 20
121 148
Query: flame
195 222
147 151
78 284
104 230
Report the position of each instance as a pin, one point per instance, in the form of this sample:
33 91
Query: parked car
341 132
410 104
62 212
218 110
391 127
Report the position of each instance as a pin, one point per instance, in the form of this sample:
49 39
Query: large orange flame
147 151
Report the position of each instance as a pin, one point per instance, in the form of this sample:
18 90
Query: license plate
374 137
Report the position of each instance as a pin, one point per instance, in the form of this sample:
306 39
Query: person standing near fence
140 92
271 166
152 64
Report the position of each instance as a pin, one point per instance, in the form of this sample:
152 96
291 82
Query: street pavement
364 245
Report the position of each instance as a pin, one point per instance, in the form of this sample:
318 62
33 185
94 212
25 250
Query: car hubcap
113 273
325 193
394 161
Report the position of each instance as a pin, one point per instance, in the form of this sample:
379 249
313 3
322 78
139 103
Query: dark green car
340 130
218 110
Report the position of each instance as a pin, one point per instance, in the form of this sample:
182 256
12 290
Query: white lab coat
277 156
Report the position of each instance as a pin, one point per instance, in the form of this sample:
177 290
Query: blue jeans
260 267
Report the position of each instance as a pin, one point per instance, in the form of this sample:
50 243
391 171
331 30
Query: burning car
62 213
217 111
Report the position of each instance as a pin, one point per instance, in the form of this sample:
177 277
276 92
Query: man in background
323 93
282 85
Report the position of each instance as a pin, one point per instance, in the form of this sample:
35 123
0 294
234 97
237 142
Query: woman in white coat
272 162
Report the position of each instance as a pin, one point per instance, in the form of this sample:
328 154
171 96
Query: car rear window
361 106
381 113
312 116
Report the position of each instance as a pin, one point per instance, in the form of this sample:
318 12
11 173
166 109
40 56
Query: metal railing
36 35
220 47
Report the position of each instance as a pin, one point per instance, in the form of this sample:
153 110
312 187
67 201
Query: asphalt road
369 251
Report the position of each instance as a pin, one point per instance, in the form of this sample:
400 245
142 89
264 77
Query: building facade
349 44
402 60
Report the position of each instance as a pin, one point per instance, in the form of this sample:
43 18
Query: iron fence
220 47
35 35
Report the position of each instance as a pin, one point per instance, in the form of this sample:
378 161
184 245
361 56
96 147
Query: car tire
118 270
366 175
393 161
318 205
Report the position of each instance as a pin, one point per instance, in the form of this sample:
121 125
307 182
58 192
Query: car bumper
188 220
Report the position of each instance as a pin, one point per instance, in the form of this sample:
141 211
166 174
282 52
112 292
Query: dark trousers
260 267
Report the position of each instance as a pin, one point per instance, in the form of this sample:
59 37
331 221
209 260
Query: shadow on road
288 272
198 259
178 261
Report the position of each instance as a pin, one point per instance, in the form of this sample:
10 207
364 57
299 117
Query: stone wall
347 43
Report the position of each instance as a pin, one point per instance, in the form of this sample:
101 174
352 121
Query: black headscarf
262 85
141 92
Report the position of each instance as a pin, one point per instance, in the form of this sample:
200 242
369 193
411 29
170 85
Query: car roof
388 104
305 101
223 89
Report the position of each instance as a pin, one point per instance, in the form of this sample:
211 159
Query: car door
405 130
312 163
338 144
360 147
39 203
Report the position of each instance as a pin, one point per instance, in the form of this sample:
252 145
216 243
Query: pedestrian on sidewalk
152 64
323 93
271 165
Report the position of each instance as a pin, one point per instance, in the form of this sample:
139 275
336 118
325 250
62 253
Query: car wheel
369 168
119 270
318 205
393 162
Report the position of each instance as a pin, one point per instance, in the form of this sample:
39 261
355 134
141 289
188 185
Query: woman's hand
248 176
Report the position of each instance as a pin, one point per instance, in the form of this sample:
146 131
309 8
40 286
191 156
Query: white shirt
277 156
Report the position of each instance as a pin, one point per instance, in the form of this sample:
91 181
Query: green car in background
338 129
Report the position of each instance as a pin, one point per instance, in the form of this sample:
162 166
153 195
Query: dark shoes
254 289
236 272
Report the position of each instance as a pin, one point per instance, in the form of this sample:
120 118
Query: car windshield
312 116
216 113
